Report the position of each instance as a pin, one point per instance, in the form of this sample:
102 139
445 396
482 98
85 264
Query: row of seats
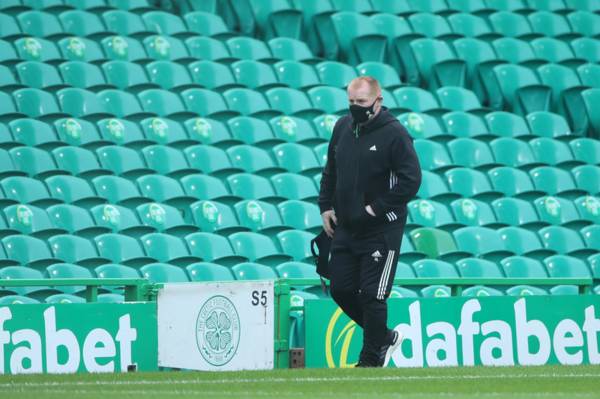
260 216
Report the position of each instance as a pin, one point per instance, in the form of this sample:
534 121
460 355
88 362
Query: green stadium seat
26 190
124 23
394 6
471 212
169 75
587 178
295 102
164 189
507 5
584 23
458 99
590 75
566 266
436 243
30 220
35 23
20 273
301 215
552 180
469 25
253 271
208 131
287 48
427 213
431 268
118 190
480 290
79 132
110 298
430 25
331 100
404 271
295 130
202 187
357 38
588 208
547 124
464 124
166 160
252 131
210 160
422 126
78 161
164 273
82 23
39 75
168 249
122 249
137 6
121 104
214 216
126 75
401 292
163 103
122 161
470 183
248 102
28 251
415 99
550 24
32 49
208 272
247 48
257 248
482 242
552 152
586 5
360 6
437 64
590 97
516 51
123 48
36 103
432 156
212 75
63 299
205 103
480 58
478 268
213 248
564 241
591 236
587 49
521 89
335 73
8 53
31 132
296 158
294 270
512 152
507 124
75 249
471 153
253 160
593 261
324 125
164 23
434 187
80 103
259 216
296 74
160 47
516 212
294 186
249 186
165 219
436 291
254 75
207 24
554 50
33 162
75 220
385 74
207 48
73 190
511 24
9 26
81 49
513 182
523 267
296 243
166 131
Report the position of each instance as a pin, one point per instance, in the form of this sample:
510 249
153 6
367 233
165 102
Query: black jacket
373 164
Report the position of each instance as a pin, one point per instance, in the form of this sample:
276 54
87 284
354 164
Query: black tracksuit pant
362 270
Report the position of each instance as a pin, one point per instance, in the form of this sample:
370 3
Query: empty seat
524 242
78 161
253 271
471 212
164 273
587 178
28 251
213 248
119 219
300 215
165 219
478 268
588 208
167 248
33 132
259 216
564 241
26 190
75 220
470 183
482 241
552 180
516 212
294 186
257 248
513 182
75 249
122 249
161 47
31 220
73 190
206 272
210 160
81 49
33 161
523 267
296 243
431 268
214 216
118 190
552 152
122 161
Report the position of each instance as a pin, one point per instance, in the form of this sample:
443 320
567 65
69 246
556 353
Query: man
372 172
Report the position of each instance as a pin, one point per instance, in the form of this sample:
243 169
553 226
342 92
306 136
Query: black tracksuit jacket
372 164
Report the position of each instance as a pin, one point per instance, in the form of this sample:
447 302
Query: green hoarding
68 338
460 331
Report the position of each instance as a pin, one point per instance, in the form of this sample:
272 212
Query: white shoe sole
392 349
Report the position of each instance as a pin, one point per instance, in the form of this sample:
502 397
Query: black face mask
362 114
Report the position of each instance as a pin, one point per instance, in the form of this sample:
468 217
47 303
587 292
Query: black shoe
394 341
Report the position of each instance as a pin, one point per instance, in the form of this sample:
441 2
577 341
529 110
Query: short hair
371 81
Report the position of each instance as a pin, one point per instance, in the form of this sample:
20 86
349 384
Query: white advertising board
216 326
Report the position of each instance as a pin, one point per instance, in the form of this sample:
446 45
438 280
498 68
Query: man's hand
329 220
370 210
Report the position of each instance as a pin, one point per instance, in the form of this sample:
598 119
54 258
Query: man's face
360 94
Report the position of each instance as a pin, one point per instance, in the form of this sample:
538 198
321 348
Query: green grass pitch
474 382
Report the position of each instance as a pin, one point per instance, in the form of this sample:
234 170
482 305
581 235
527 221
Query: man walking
372 172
